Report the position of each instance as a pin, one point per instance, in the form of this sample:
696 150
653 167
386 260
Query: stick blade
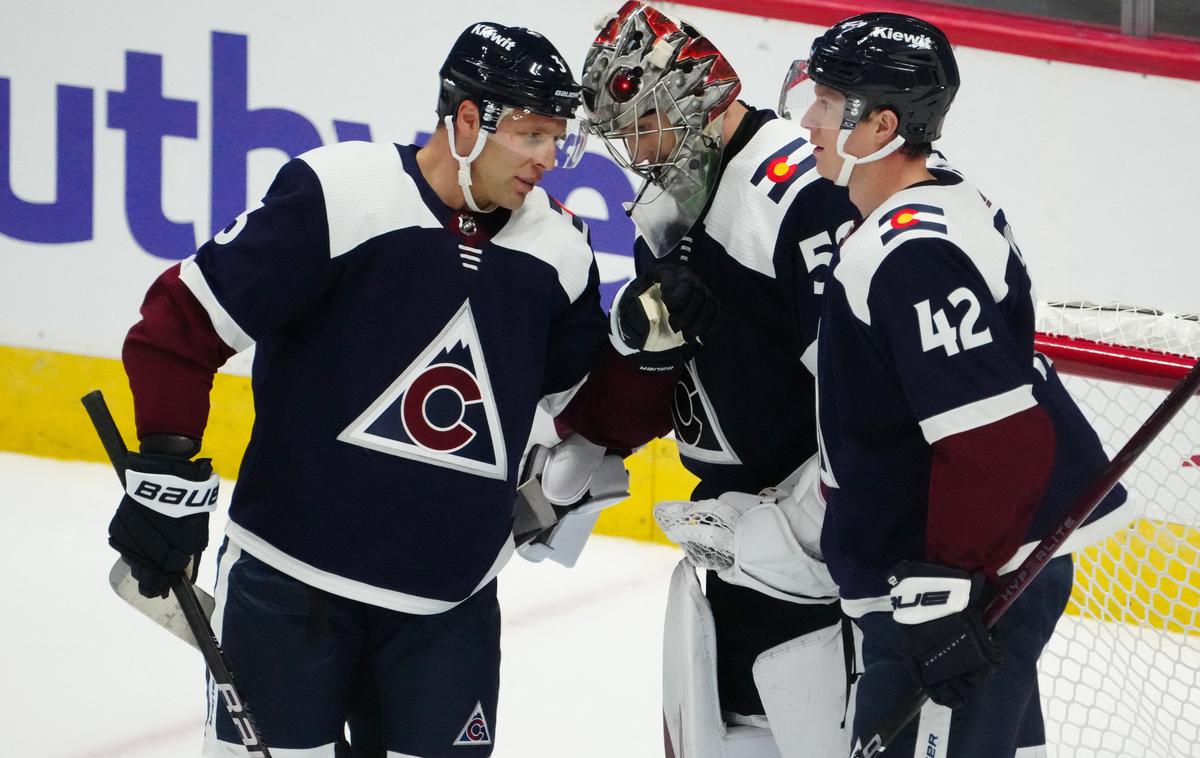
162 611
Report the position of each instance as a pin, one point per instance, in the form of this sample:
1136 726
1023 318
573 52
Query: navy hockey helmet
889 60
497 66
509 72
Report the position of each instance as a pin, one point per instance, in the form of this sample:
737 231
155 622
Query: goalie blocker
769 543
564 487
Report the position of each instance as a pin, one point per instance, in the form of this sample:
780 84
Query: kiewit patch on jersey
475 731
696 427
911 217
783 168
441 409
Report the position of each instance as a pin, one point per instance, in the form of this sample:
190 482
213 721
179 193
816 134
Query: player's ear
466 126
886 124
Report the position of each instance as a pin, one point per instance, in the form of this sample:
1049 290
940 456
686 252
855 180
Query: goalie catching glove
661 315
768 542
161 524
940 612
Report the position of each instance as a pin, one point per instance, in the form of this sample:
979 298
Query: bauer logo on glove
171 495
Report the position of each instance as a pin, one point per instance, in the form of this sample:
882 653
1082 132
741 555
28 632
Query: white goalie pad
691 709
769 542
802 683
576 475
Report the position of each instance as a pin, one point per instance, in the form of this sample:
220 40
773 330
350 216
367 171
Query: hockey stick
164 611
535 517
218 667
1018 581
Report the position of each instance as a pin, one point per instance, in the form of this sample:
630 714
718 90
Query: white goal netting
1122 675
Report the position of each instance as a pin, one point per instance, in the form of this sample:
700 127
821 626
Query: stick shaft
218 667
1019 580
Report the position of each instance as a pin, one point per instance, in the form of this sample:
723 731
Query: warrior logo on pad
475 731
441 409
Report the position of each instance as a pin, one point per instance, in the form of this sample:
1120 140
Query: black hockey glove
693 307
162 522
689 307
949 649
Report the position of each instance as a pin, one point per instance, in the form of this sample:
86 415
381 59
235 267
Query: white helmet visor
813 105
552 141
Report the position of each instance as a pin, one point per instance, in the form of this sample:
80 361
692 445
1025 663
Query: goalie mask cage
1121 677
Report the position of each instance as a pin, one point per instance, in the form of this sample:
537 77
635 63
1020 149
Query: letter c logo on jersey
422 394
441 409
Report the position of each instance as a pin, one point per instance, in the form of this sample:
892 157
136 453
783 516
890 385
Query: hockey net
1122 675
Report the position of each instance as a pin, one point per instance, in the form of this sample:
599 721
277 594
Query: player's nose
646 150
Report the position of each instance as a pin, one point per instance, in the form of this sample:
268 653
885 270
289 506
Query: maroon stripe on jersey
171 356
618 406
984 486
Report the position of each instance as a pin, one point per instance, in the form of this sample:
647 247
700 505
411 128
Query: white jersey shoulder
367 193
757 188
547 231
956 213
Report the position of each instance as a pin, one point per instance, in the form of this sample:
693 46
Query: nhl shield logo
441 409
475 731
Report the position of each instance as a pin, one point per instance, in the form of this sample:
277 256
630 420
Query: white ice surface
84 676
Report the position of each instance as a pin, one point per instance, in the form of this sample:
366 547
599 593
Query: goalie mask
513 75
656 91
872 61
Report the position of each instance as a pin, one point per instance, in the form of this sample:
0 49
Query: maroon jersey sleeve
984 486
171 356
618 406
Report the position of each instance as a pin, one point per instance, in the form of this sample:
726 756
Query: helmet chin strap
464 165
850 161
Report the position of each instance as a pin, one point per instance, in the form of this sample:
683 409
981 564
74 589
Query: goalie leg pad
691 708
802 685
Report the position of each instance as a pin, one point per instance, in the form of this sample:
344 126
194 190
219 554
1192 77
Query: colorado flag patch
781 169
441 409
909 217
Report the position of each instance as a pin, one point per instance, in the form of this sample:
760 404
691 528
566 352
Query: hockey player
410 308
735 230
948 445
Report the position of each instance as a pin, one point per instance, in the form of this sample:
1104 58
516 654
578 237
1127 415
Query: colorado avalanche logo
441 409
476 730
697 431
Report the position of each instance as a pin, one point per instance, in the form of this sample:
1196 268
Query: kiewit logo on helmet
919 41
489 32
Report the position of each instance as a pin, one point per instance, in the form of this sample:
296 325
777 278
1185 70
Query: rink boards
1147 575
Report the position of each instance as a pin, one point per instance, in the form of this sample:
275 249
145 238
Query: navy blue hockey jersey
397 371
743 410
927 331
